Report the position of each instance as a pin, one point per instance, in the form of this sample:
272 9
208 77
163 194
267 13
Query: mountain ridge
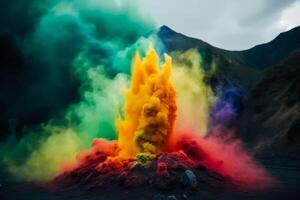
278 47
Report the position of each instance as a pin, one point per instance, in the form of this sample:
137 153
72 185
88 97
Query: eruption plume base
99 167
147 150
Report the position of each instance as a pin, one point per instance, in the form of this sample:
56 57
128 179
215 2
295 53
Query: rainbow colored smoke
97 41
146 134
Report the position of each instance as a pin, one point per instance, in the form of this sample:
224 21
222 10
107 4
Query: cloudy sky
229 24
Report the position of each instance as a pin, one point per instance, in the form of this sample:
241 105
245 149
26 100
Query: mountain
259 57
270 75
265 55
242 67
271 119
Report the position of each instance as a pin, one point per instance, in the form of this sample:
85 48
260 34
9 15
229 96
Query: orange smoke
150 107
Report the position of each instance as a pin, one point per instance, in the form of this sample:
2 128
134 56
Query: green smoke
95 41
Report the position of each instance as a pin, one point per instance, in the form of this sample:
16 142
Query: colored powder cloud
194 96
147 129
86 38
96 41
225 154
150 107
228 105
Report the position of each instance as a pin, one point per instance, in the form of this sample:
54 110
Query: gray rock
172 197
184 196
189 179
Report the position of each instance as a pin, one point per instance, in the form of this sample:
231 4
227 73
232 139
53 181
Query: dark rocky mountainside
270 75
265 55
272 116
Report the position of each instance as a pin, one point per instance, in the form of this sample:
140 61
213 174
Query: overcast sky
229 24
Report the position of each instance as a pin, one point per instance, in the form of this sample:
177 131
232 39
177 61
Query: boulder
172 197
189 179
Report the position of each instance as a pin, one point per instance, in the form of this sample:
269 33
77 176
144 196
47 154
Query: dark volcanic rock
189 179
135 180
172 197
159 197
165 172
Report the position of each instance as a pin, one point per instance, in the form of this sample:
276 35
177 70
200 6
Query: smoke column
194 96
150 107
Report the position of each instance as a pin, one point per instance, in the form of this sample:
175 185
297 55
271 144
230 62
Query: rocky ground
191 184
286 171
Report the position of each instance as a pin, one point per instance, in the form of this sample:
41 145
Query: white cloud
290 17
229 24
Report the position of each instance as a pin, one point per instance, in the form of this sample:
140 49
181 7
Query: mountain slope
265 55
270 75
272 117
242 67
230 68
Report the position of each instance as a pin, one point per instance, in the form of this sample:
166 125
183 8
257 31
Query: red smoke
226 156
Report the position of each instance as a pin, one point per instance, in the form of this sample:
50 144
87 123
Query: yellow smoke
150 107
194 96
44 163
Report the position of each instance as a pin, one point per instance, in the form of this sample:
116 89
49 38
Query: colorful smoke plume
146 134
132 109
150 107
